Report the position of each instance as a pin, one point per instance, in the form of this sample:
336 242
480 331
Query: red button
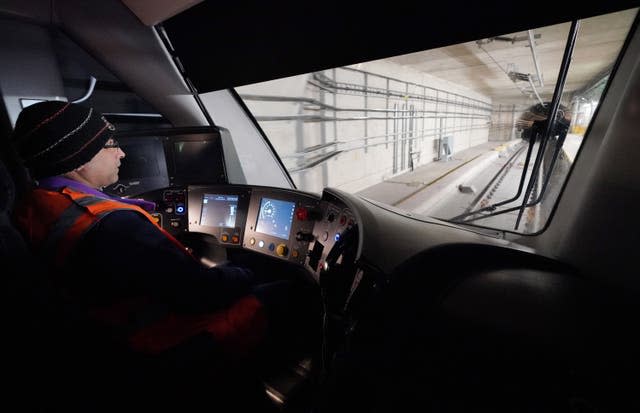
302 214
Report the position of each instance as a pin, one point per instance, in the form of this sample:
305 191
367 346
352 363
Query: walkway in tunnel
471 179
420 190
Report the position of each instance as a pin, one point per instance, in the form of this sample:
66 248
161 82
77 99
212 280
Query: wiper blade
492 207
533 179
553 110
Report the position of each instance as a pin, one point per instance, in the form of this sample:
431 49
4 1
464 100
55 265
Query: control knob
282 250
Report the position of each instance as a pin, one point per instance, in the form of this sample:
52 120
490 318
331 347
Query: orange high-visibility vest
55 221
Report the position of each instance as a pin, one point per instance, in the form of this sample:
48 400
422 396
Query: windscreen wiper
549 125
529 204
460 218
553 110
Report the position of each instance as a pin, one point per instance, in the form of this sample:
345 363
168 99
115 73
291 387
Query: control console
271 221
280 224
220 211
287 225
171 209
335 220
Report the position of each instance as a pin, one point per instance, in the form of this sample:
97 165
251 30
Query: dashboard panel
288 225
327 231
280 223
173 168
220 211
303 228
270 221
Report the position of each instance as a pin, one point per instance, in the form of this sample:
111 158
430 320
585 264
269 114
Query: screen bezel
195 198
168 136
217 174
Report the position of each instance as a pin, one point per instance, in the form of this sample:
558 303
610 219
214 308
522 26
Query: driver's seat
29 304
12 245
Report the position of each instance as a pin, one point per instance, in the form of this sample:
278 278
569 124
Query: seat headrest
7 189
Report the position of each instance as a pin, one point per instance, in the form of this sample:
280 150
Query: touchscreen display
219 210
275 217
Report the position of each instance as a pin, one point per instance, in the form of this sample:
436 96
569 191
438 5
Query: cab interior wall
134 53
131 51
30 68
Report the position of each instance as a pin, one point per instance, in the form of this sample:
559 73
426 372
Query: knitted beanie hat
55 137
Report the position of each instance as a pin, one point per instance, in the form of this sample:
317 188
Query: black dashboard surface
303 228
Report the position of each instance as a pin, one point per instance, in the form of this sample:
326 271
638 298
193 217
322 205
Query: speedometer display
275 217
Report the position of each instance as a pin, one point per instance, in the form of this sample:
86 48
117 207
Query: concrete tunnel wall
305 124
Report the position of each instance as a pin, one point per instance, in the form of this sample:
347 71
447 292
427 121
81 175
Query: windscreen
460 133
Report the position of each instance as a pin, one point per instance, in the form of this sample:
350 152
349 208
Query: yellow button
252 241
282 250
224 237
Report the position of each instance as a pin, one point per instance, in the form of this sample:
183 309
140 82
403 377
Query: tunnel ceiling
483 66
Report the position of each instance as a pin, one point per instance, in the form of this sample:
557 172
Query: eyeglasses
112 144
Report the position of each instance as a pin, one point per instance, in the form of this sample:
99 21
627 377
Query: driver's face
102 170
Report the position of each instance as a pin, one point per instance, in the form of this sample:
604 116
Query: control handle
304 236
308 214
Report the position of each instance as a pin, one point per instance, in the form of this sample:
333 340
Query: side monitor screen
198 161
143 168
141 161
219 210
275 217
